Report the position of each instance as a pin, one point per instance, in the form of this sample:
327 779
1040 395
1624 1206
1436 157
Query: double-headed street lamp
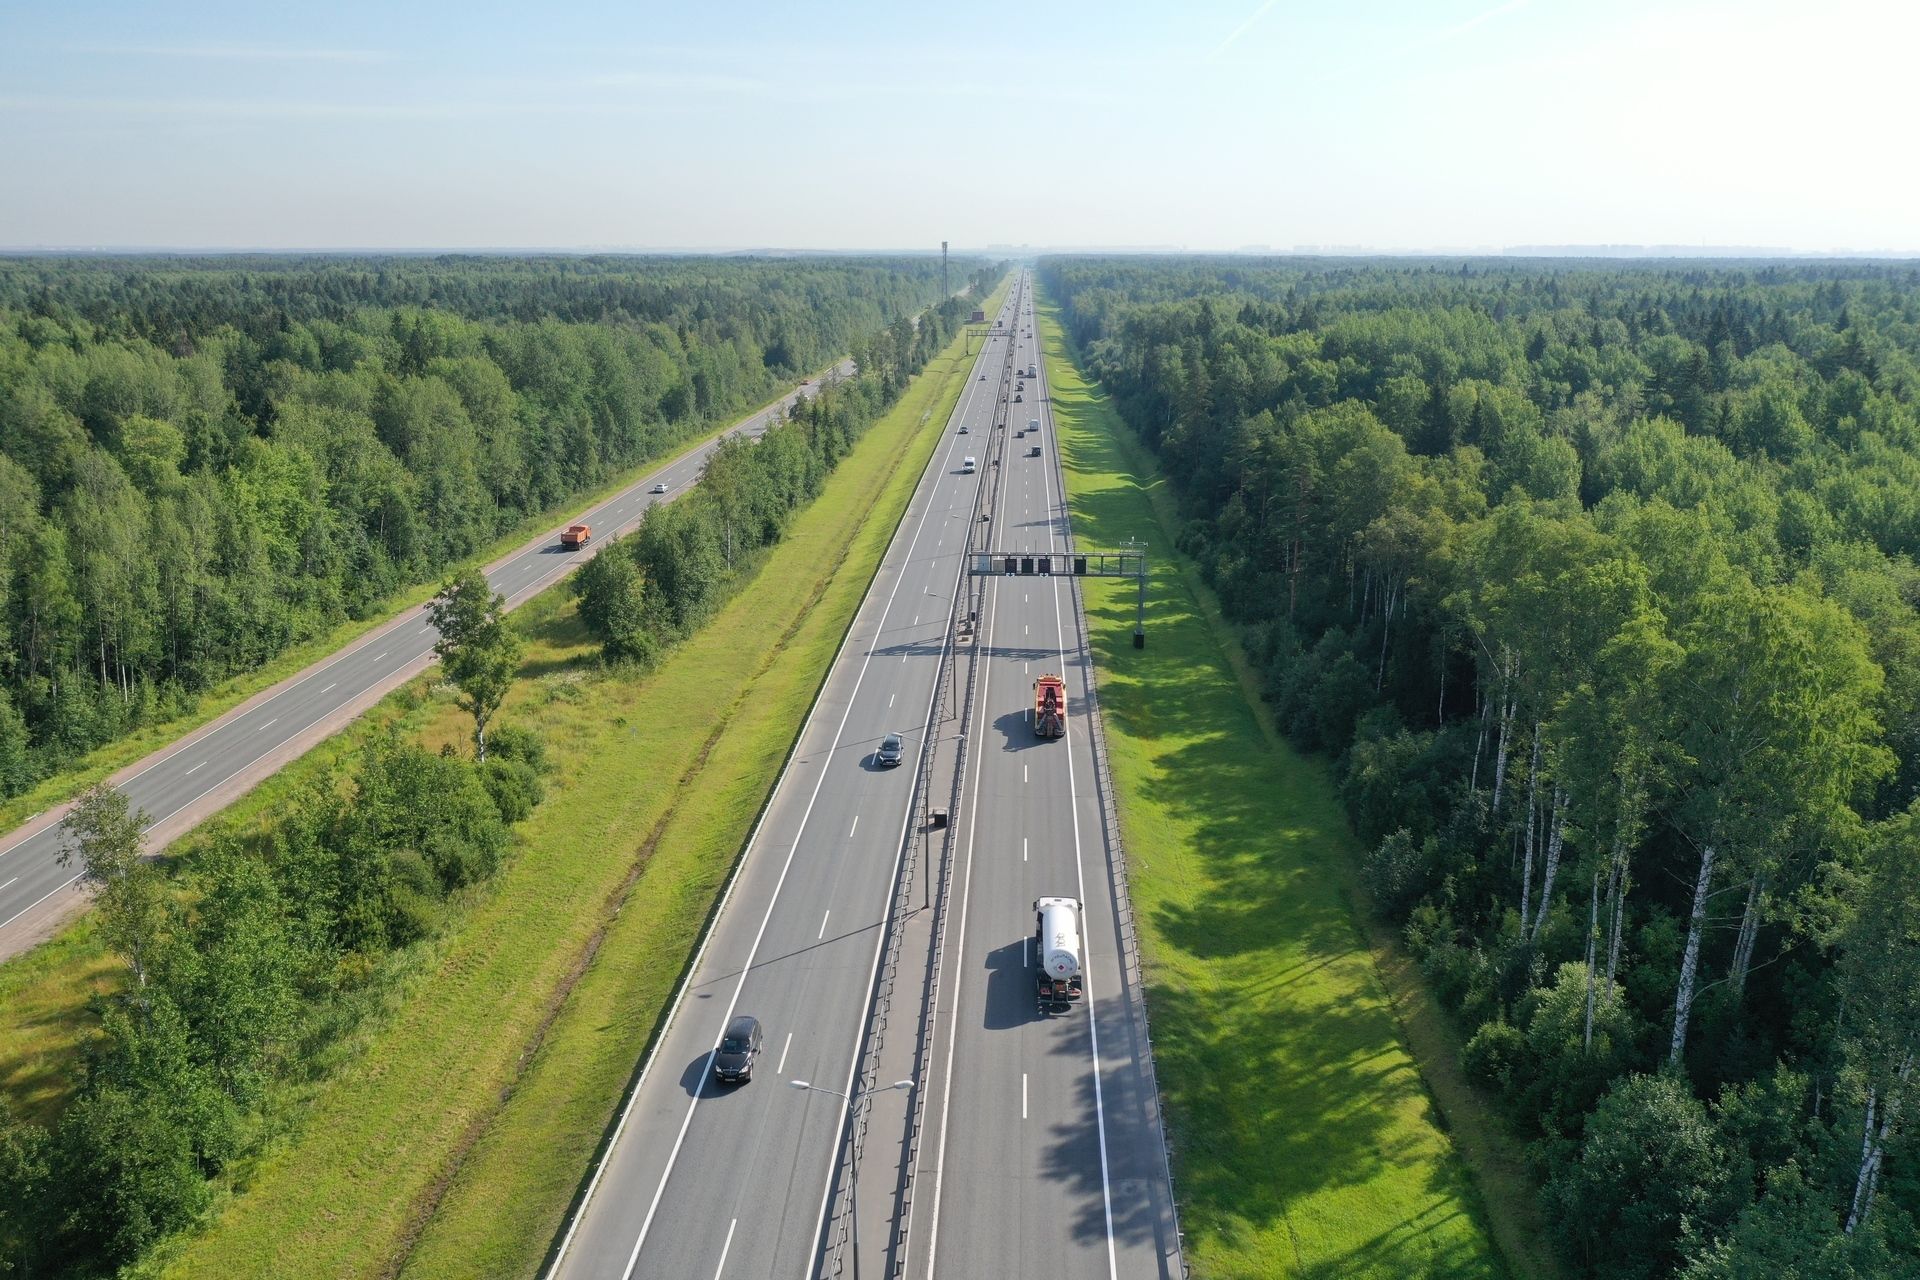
855 1101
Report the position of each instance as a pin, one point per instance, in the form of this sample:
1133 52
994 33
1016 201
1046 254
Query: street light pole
855 1101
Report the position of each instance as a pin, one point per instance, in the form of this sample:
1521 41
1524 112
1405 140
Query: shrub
1497 1053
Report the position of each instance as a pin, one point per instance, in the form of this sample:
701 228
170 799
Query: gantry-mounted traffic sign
1130 563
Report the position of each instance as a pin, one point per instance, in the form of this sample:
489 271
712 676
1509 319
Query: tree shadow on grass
1291 1103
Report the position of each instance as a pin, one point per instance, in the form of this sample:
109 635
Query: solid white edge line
37 901
879 951
1073 810
235 715
960 941
686 980
666 1027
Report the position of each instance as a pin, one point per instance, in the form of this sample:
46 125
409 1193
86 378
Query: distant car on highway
660 486
1017 398
965 430
892 748
733 1060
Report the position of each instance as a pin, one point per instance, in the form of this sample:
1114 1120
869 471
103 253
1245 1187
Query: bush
514 785
1568 1075
1496 1055
1397 873
516 742
1649 1174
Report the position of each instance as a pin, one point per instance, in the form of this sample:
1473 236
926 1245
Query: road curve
181 784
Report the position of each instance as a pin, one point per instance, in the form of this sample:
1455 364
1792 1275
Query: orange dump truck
576 537
1050 707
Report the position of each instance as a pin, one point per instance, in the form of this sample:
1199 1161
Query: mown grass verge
454 1141
1305 1141
109 758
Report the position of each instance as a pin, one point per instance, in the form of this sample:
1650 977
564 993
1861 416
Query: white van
967 464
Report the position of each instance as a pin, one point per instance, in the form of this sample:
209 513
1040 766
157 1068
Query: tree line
242 972
644 591
204 461
1599 583
236 978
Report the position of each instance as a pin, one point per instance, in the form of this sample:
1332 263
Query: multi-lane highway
705 1180
1046 1155
180 785
1041 1155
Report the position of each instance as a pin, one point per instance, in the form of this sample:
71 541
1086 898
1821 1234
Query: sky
1202 125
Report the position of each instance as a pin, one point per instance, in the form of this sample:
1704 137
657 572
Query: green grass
452 1144
44 1023
109 758
1305 1141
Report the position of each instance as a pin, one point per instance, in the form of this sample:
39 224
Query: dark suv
892 748
733 1061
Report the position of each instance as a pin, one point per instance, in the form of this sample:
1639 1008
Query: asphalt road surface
1046 1157
180 785
1043 1159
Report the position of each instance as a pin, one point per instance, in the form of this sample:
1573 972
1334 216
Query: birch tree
1777 736
1880 973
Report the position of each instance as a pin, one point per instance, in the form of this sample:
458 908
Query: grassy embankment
1306 1141
454 1142
42 1023
110 758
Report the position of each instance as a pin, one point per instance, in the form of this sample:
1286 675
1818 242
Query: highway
1043 1158
1046 1157
709 1180
182 784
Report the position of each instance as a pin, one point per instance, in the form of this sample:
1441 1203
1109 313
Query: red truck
576 537
1050 707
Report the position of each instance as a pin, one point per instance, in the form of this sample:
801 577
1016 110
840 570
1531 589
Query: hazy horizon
1261 126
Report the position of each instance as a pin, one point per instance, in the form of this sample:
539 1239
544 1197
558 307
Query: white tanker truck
1057 952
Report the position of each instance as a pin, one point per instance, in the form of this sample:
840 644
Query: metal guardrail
1110 822
918 861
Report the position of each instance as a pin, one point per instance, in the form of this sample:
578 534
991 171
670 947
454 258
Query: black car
733 1061
892 748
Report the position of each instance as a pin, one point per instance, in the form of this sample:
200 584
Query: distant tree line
204 461
1600 585
240 974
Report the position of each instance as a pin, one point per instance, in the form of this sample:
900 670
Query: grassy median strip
1305 1143
454 1142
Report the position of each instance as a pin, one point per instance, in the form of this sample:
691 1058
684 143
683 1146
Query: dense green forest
1599 583
244 979
203 461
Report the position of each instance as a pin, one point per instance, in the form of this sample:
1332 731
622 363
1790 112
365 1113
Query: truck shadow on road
1016 728
1009 987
